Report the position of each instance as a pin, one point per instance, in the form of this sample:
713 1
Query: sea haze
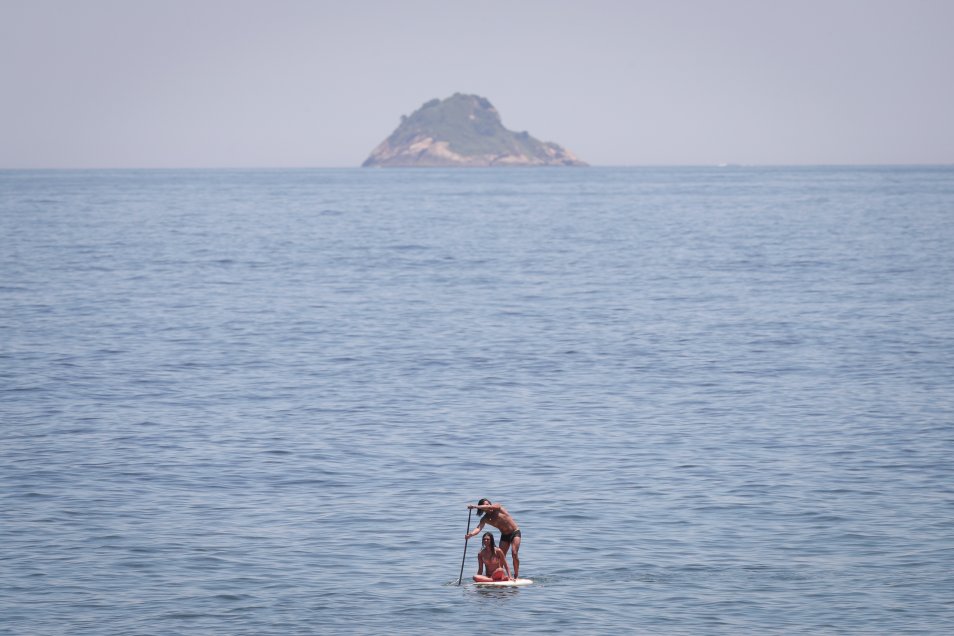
717 400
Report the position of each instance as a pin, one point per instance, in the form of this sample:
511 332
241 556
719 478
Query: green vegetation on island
463 130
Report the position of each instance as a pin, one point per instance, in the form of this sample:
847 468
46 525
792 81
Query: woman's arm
503 557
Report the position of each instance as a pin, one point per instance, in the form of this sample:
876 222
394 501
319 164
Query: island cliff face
463 130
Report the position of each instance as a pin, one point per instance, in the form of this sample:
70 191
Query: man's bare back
497 516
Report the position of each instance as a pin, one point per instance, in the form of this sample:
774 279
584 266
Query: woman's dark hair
482 502
493 544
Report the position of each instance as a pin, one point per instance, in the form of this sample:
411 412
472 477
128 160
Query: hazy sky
287 83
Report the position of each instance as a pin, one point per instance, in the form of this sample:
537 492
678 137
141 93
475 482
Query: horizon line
727 165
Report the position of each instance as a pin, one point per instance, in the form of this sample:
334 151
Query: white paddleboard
514 583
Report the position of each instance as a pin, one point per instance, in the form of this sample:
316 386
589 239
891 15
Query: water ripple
258 402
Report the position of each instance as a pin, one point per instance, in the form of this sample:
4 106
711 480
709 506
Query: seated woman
491 562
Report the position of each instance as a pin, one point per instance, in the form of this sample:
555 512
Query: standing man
497 516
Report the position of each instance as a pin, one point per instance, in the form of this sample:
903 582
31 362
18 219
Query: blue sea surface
716 400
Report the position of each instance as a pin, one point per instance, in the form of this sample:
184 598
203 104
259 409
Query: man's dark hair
481 503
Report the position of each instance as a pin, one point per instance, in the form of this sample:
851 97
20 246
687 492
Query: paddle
469 511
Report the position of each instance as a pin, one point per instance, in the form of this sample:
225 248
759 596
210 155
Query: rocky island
463 130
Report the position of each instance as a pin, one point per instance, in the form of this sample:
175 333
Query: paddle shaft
464 558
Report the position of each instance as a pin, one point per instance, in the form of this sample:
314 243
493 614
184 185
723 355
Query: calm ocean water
717 401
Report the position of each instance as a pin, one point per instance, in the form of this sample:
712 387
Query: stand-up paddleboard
514 583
